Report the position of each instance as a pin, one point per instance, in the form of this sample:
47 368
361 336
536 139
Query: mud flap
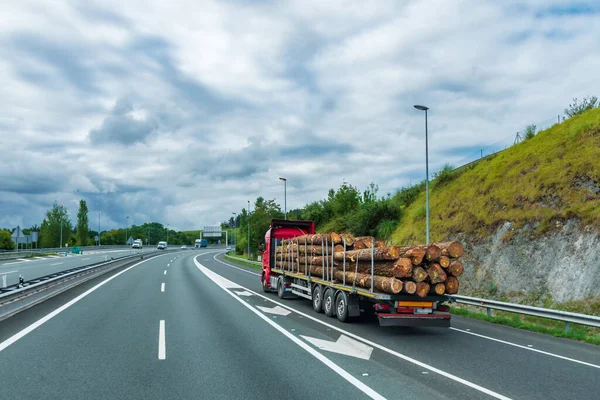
353 306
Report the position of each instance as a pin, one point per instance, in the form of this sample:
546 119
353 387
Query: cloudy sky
181 111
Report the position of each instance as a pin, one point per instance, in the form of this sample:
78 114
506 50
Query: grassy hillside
544 180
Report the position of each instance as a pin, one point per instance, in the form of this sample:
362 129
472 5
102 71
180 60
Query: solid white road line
162 287
22 259
83 259
52 265
3 281
527 348
62 308
10 272
336 368
233 266
380 347
162 351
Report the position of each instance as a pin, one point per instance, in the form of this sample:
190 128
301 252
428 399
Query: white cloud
182 112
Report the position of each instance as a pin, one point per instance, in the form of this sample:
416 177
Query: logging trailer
340 298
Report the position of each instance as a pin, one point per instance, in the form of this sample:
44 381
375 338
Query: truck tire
280 288
265 288
317 298
329 302
341 306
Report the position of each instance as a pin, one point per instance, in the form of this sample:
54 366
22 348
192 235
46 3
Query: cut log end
436 273
423 289
456 268
410 287
433 253
403 268
419 274
451 285
444 261
451 249
396 285
439 289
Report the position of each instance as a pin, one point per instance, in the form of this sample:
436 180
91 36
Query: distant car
183 247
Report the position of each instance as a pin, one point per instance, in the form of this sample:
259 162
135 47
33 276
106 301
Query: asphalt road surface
35 267
190 325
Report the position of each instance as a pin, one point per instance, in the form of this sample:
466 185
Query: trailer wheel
329 302
341 306
317 298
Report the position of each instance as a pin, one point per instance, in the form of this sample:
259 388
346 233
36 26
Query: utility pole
284 196
62 207
126 226
167 234
234 233
248 221
99 212
423 108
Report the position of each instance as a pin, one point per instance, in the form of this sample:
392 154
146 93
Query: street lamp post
126 226
234 233
248 221
99 212
62 207
148 237
167 234
284 196
423 108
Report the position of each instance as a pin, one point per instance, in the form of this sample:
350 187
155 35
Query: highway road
35 267
188 324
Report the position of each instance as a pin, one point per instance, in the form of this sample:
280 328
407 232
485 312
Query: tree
530 131
6 242
579 107
82 223
51 226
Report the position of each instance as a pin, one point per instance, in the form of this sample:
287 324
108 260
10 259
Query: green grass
542 180
41 255
535 324
242 262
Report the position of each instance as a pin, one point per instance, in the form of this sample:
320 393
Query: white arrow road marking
244 293
275 310
344 345
330 364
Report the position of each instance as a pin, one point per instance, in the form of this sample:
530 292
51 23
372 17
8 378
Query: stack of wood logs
419 270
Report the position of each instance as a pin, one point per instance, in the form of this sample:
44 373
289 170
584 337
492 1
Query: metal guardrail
565 316
18 297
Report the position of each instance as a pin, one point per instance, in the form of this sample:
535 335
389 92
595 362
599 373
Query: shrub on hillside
579 107
530 131
444 175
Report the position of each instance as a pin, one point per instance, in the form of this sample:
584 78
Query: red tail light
443 308
384 307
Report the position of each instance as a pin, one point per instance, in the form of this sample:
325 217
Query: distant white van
162 246
137 244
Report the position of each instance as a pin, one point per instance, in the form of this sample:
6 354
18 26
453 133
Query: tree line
57 219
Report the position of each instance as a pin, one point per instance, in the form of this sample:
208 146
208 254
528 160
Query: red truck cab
281 229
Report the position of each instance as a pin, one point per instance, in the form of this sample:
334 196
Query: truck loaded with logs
344 275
